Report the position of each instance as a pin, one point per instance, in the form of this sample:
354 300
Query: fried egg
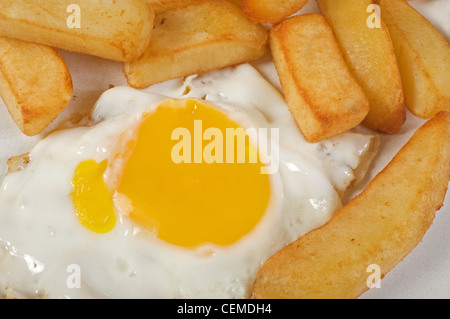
144 200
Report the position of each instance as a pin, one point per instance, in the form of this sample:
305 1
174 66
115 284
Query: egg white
43 244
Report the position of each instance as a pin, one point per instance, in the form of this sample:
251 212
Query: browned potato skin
380 226
18 163
160 6
110 29
35 84
271 11
197 38
423 56
236 2
322 94
369 53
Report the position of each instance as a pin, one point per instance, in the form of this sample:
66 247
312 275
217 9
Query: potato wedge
423 56
197 38
35 84
379 227
271 11
116 30
160 6
322 95
369 53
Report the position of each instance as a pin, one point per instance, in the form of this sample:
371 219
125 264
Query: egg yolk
186 202
91 198
193 202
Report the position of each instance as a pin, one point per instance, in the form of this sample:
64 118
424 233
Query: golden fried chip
116 30
271 11
194 39
35 84
371 59
423 55
377 228
166 5
322 95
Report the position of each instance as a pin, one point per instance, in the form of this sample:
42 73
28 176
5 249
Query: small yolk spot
197 200
91 198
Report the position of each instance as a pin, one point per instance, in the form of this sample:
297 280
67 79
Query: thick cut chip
423 56
116 30
369 53
194 39
35 84
379 227
323 96
271 11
